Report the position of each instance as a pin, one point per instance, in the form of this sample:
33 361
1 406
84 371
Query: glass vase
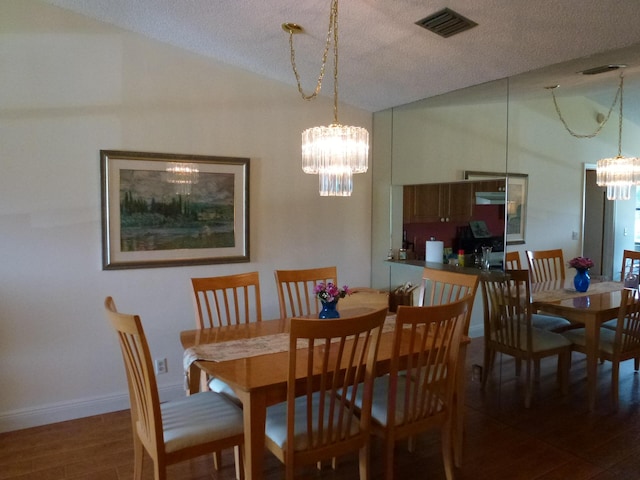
582 280
329 310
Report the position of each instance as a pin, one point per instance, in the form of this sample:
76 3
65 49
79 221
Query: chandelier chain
331 34
601 125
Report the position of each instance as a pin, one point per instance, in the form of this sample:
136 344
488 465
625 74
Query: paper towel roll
434 250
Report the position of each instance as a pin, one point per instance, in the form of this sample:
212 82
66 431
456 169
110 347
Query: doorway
597 231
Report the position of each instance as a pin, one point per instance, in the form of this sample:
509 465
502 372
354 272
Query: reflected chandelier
620 173
183 176
334 152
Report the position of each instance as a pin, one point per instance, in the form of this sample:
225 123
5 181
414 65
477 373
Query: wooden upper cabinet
438 202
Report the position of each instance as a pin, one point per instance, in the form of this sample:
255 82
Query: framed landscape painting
516 202
163 210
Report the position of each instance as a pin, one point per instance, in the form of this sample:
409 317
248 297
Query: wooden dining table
601 302
261 380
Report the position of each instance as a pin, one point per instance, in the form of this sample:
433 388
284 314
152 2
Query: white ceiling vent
446 23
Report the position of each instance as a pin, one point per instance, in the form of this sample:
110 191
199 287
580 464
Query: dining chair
227 300
419 395
509 329
630 265
546 265
176 430
442 286
223 301
617 345
512 261
318 422
295 289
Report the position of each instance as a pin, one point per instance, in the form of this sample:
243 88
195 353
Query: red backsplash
419 233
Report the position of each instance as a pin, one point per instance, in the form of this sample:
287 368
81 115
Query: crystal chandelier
620 173
183 176
334 152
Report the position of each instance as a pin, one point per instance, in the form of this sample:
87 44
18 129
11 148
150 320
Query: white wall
70 87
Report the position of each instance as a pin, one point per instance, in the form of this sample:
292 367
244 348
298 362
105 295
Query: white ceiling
387 60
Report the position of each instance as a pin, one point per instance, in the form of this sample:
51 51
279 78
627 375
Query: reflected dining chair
512 261
509 329
295 289
173 431
318 422
617 345
439 287
630 265
419 395
546 265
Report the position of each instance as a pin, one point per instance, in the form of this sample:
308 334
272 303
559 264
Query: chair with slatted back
318 422
617 345
630 265
439 287
509 329
419 396
512 261
546 265
295 289
222 301
227 300
173 431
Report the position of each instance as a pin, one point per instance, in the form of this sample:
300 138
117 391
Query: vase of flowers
582 280
329 294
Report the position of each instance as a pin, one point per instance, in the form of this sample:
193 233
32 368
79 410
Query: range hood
490 198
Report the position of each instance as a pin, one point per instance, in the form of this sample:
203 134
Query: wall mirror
511 125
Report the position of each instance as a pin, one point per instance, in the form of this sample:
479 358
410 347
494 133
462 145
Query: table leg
592 331
254 408
193 379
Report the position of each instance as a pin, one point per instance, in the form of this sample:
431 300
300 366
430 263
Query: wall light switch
574 235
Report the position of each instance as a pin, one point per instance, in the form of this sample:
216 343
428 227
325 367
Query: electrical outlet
574 235
160 365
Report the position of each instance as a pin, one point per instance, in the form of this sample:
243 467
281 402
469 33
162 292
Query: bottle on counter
461 258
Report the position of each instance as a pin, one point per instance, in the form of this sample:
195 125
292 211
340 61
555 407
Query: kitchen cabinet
438 202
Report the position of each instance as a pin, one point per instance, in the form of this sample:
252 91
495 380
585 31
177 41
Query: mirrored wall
510 126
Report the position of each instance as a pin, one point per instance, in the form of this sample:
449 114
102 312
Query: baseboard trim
88 407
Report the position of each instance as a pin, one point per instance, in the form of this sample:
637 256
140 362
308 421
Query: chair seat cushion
549 322
276 422
218 386
199 418
578 336
541 340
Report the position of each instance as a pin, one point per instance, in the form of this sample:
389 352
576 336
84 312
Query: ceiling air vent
602 69
446 23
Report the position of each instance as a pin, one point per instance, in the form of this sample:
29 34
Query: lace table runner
568 293
250 347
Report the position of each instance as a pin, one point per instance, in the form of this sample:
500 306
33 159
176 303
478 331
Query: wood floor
555 439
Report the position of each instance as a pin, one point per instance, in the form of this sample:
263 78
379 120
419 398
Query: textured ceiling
387 60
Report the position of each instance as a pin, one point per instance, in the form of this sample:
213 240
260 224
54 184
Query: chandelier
620 173
337 151
183 176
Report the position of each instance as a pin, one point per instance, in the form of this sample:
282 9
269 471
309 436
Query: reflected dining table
253 360
601 302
